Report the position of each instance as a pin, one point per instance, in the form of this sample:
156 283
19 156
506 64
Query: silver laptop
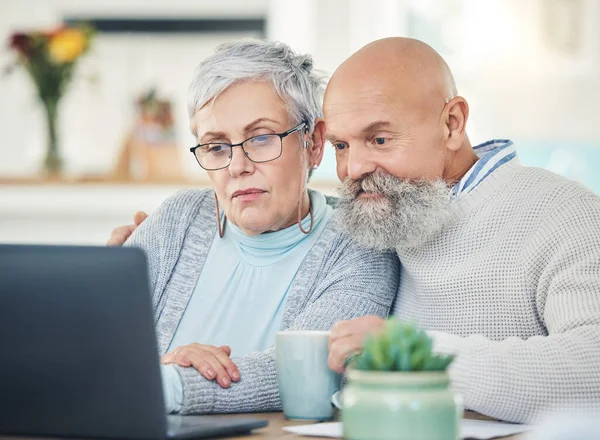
78 349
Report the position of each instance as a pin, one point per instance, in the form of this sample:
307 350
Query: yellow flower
66 45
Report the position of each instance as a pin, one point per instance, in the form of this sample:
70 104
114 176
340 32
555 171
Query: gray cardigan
336 281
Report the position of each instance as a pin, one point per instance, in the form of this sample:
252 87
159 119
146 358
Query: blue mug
306 383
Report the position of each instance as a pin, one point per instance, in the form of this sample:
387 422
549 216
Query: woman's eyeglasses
262 148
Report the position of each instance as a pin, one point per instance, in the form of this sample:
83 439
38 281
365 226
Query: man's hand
347 338
212 362
120 235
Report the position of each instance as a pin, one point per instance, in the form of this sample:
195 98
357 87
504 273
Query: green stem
53 161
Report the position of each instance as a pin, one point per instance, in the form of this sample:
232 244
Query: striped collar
492 154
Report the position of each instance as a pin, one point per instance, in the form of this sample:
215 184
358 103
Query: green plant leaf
400 346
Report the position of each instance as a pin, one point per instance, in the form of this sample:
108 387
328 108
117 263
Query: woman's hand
212 362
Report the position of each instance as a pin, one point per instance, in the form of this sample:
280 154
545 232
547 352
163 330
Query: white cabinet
82 213
73 213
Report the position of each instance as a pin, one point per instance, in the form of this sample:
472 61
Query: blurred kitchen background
530 70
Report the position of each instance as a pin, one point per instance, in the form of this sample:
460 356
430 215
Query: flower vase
53 162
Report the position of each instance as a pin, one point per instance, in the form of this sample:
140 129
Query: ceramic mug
306 384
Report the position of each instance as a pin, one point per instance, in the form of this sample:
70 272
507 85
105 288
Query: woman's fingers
226 349
223 357
201 363
177 356
212 362
221 375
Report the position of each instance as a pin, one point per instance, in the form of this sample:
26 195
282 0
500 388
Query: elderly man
500 262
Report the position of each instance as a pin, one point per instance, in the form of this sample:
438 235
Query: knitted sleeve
521 380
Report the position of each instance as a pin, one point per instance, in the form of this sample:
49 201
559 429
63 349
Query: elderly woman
258 253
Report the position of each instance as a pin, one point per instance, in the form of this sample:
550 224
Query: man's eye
380 140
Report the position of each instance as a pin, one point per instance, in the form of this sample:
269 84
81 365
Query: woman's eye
216 148
339 146
261 139
380 140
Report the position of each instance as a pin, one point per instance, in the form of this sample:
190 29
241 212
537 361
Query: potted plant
399 389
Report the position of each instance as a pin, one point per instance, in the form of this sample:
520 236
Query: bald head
396 101
405 64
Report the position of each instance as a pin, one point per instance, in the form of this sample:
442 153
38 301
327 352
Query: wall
98 108
522 81
530 70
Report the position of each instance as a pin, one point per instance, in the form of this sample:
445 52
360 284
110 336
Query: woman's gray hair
292 76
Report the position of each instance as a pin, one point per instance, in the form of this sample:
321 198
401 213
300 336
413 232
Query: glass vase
53 162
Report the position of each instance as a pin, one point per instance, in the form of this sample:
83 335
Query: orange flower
54 32
66 45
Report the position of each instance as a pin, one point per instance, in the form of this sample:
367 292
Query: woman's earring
221 228
315 166
312 218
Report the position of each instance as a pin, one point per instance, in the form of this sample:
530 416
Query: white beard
402 214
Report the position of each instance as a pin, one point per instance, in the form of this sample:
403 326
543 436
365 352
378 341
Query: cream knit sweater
512 287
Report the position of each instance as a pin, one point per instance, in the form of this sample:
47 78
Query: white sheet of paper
486 429
333 430
479 429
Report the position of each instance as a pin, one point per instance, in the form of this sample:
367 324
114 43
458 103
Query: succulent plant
399 346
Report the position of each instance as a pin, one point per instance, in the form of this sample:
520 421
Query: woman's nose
240 163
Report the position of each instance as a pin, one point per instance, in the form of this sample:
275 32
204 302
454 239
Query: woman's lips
248 195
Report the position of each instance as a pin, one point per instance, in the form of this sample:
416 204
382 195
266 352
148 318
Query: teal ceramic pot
400 406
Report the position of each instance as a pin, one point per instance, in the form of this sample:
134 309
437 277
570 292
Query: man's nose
359 162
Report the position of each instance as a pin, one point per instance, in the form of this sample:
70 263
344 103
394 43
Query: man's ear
456 116
317 143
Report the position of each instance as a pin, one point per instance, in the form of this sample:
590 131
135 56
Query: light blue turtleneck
240 294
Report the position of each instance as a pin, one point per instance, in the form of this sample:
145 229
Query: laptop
78 350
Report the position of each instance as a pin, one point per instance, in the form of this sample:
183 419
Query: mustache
375 183
379 184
